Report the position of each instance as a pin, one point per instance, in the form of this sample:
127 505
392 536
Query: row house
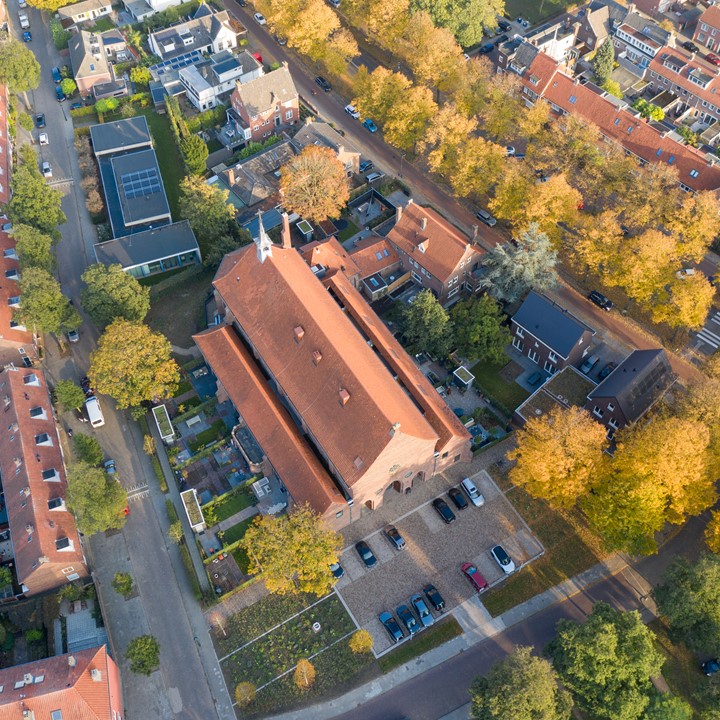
638 40
597 21
707 30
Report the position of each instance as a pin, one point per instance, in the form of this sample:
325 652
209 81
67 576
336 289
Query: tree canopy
51 6
69 395
111 293
466 19
195 153
96 499
19 68
42 304
87 449
520 687
604 62
425 325
33 247
294 552
479 329
314 184
143 652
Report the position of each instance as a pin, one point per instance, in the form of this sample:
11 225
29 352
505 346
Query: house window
416 277
549 367
617 121
598 411
288 114
552 357
694 173
38 413
613 423
454 292
611 407
51 475
704 27
534 356
43 439
520 332
573 99
518 344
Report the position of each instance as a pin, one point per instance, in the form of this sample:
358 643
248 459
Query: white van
472 492
94 412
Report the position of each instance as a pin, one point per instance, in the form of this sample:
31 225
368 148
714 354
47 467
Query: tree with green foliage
112 294
520 687
688 599
106 105
425 325
69 395
123 584
25 121
465 19
664 706
604 62
613 88
42 305
648 110
133 365
293 552
515 269
479 329
140 75
68 86
144 654
195 154
88 450
607 662
97 499
6 579
34 635
19 69
33 248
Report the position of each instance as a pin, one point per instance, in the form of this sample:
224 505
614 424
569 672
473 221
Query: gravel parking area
433 554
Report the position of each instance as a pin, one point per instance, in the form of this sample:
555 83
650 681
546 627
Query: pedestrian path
710 334
238 517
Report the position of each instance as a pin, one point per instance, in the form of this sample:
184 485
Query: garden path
238 517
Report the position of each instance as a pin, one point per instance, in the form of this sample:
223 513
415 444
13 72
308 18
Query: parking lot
433 554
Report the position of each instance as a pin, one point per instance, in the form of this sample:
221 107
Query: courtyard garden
498 383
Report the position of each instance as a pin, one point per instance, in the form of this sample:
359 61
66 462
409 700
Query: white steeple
263 241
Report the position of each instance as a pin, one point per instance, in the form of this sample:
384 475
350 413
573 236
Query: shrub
149 445
304 675
123 583
245 694
60 36
361 643
144 654
34 635
88 449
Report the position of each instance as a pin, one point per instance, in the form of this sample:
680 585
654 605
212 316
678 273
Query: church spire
263 241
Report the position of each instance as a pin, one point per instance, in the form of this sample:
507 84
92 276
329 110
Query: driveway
433 554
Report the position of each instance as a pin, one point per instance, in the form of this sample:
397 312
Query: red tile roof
29 447
332 378
332 255
711 93
10 336
268 420
83 686
710 17
365 254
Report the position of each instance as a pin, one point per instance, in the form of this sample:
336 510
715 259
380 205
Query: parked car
475 578
509 150
422 610
323 83
486 48
46 169
458 498
337 570
395 538
713 58
366 554
352 111
607 370
444 510
73 336
56 76
434 597
501 40
504 25
600 300
710 667
43 139
76 106
260 19
590 362
280 40
391 625
40 120
59 94
368 124
690 46
472 492
335 3
503 559
109 466
27 36
407 619
366 165
486 217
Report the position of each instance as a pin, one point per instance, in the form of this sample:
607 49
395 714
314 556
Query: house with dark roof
637 41
597 20
548 334
630 390
313 132
83 685
89 60
341 412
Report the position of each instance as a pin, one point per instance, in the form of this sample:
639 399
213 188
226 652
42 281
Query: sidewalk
478 626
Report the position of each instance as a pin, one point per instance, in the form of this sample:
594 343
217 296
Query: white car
46 169
503 559
352 112
260 19
472 492
43 138
73 336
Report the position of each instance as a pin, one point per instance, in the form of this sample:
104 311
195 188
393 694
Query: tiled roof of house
267 419
346 396
684 66
9 288
374 254
44 537
332 255
599 22
198 32
711 17
264 93
430 240
80 686
313 132
86 6
87 56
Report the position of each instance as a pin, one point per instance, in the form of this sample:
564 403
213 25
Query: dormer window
10 253
38 413
31 379
14 301
43 439
64 545
56 504
51 475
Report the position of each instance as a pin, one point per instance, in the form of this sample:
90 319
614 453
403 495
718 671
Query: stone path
238 517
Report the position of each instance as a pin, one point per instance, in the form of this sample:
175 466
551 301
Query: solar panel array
178 62
140 183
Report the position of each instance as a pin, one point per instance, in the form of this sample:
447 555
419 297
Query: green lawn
216 431
237 532
507 392
536 10
242 559
230 503
103 24
347 232
436 635
159 277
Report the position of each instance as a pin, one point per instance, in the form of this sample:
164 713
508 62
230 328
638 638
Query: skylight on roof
694 173
573 99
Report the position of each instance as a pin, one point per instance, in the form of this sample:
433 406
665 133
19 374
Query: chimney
395 427
398 213
344 396
423 223
72 661
299 333
96 675
317 357
231 176
286 239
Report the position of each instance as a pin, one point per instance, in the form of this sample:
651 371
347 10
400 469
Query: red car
474 577
712 58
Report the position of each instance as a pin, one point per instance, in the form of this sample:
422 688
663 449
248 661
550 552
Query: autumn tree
69 395
447 131
655 198
43 305
294 552
522 686
51 6
33 248
340 48
140 75
465 19
512 193
96 499
684 302
425 325
19 69
695 223
407 121
559 455
361 642
143 652
594 245
607 663
307 24
502 107
111 293
314 184
245 693
480 329
479 164
712 533
377 93
604 62
471 93
514 269
550 204
133 364
304 675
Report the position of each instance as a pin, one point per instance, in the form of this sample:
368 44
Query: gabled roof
551 324
86 6
374 254
684 66
637 383
332 378
264 93
81 686
322 134
711 17
87 56
331 255
9 288
430 240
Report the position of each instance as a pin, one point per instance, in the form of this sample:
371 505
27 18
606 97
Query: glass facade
159 266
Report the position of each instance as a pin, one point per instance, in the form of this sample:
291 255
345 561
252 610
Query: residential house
637 41
597 20
549 334
84 11
45 541
115 46
707 31
208 32
83 685
556 39
313 132
210 81
437 255
630 390
327 257
654 8
341 412
261 107
89 60
380 267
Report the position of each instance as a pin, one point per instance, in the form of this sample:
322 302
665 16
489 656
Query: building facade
707 30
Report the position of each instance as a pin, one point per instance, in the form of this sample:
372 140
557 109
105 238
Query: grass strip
159 474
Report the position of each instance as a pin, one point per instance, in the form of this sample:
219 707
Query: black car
458 498
600 300
501 40
607 370
366 554
691 46
337 570
486 48
407 618
391 625
444 510
40 120
323 83
395 538
366 165
504 25
434 598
